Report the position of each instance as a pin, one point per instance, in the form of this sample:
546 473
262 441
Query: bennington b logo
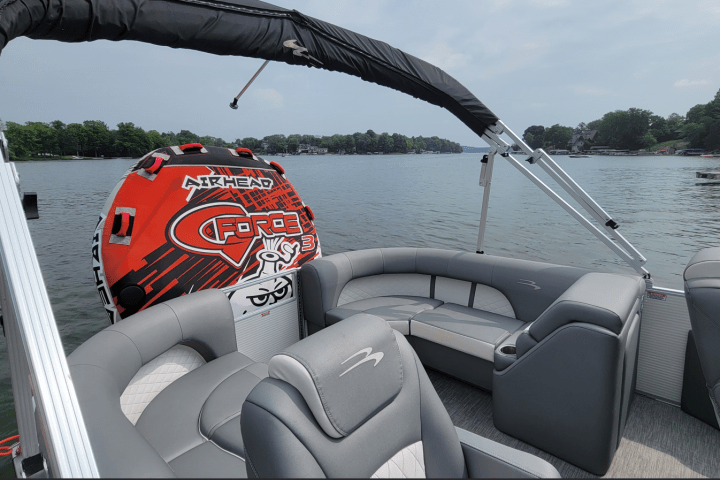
377 356
228 230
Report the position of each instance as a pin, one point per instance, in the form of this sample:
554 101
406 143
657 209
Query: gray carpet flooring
659 441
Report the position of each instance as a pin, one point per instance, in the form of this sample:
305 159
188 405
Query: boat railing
49 419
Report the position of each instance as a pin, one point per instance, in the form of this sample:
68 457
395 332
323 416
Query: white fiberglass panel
262 335
663 338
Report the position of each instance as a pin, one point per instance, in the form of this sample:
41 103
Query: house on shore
311 149
581 138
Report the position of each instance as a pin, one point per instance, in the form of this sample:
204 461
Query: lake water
410 200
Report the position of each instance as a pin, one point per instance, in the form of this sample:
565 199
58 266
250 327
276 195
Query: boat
579 156
691 152
355 373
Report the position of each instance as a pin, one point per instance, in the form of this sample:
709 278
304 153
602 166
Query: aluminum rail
42 387
576 191
622 248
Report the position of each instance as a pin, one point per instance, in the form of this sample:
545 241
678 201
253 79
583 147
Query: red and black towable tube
189 217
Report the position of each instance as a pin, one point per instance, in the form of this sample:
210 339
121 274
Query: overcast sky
531 62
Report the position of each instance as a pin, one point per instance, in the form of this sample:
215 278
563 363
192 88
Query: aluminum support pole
492 138
576 191
485 181
579 217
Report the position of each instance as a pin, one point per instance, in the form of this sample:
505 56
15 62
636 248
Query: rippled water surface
409 200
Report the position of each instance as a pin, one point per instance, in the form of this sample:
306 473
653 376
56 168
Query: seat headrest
346 373
704 264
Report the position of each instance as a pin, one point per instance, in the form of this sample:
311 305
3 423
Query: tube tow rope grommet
190 146
244 152
156 166
310 213
278 168
124 224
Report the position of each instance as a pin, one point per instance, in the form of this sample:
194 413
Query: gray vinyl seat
397 310
702 292
465 329
161 391
353 400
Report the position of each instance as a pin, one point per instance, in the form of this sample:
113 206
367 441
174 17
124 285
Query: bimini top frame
609 234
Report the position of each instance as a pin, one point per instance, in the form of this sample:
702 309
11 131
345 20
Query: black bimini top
248 28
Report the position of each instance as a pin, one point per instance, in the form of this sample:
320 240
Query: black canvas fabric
247 28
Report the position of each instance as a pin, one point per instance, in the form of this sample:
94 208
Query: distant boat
579 156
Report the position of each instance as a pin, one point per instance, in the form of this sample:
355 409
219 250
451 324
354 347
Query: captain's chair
353 400
702 292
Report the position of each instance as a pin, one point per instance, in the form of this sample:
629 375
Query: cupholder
508 349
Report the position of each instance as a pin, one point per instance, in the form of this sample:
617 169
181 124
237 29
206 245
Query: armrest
202 320
321 282
487 459
602 299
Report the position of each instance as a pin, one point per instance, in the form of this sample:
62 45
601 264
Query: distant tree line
636 129
355 143
93 138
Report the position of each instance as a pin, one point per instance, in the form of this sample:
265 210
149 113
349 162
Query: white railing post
42 386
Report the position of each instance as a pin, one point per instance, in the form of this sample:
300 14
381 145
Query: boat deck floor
660 440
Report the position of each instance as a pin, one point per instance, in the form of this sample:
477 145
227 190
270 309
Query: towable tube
248 28
189 217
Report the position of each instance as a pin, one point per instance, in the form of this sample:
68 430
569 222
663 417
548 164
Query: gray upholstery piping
502 460
313 375
417 372
312 398
289 430
177 319
322 302
210 440
131 341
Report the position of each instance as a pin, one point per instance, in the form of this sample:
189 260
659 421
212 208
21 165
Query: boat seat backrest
353 400
122 349
519 289
702 292
118 373
344 402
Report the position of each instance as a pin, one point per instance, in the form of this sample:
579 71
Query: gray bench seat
566 379
464 329
455 307
397 310
161 391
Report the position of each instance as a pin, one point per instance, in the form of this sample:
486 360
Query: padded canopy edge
249 28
